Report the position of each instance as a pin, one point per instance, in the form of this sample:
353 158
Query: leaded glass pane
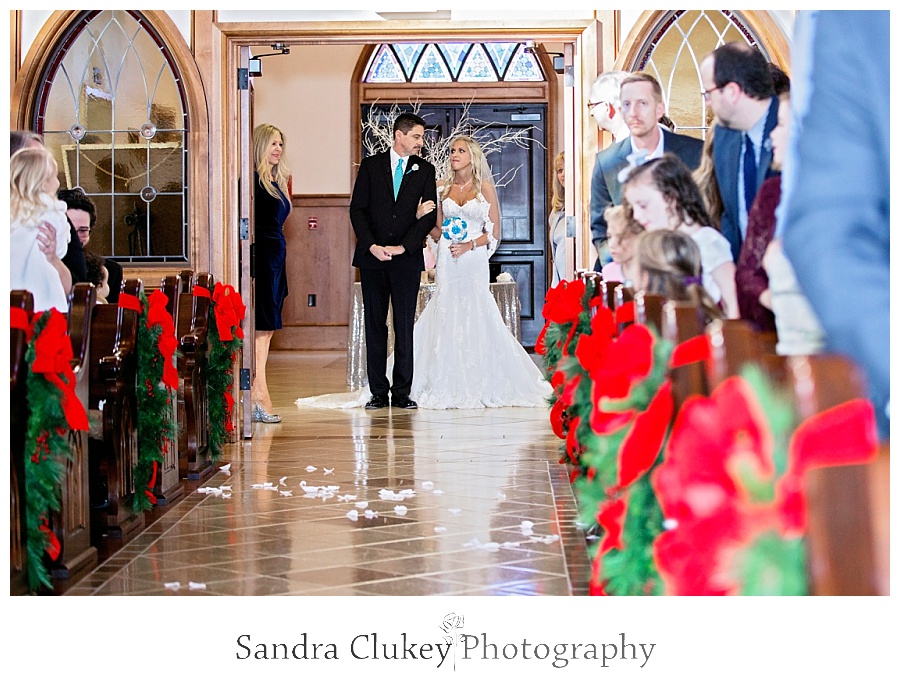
454 54
501 53
477 66
113 113
681 41
431 68
524 67
385 68
408 54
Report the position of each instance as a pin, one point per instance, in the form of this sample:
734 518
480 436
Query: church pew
680 322
733 344
648 309
848 534
113 383
191 332
168 488
72 524
18 419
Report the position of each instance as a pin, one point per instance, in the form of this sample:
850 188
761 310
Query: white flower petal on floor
261 485
362 504
311 468
174 586
439 529
400 510
427 484
286 493
353 515
196 585
225 468
346 497
282 481
328 471
370 514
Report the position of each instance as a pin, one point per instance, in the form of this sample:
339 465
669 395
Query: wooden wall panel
318 263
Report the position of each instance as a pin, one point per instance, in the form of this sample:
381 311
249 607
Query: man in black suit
642 105
389 238
738 87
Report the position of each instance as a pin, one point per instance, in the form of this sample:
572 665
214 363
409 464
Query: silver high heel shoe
260 415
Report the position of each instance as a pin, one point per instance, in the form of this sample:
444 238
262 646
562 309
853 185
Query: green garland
47 452
156 425
219 384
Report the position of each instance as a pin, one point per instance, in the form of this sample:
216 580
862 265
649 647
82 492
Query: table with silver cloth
506 295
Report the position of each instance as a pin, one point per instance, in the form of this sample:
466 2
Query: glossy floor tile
356 502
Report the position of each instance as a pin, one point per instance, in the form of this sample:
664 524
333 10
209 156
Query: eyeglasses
84 232
706 91
591 106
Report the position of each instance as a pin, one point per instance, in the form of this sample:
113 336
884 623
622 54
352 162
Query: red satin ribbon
149 490
53 359
53 547
693 350
18 319
625 313
201 291
229 310
129 302
167 343
229 404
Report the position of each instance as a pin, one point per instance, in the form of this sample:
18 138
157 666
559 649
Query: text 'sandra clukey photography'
453 649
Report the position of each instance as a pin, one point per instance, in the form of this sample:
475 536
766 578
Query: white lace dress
463 354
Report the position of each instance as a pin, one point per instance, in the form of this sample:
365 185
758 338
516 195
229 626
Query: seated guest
83 216
668 263
98 275
33 180
662 194
621 233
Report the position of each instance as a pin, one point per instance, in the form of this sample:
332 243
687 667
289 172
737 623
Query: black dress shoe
403 402
377 401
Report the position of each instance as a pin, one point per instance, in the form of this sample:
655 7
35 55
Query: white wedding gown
463 354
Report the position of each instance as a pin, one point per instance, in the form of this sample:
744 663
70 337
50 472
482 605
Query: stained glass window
673 52
446 62
112 111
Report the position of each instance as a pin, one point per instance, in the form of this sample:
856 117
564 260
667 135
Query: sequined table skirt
506 294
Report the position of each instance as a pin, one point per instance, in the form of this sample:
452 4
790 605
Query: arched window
672 52
111 107
452 62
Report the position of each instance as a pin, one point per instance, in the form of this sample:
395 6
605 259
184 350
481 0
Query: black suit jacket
727 160
378 219
606 189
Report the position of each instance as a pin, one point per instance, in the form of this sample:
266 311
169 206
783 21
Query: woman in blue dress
271 206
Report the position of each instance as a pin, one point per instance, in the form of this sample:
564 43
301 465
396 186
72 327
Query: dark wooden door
520 171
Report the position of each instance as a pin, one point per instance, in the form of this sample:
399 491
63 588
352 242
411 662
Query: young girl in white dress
33 182
662 194
464 356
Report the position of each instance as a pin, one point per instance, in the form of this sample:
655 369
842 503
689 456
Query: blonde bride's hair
29 169
479 163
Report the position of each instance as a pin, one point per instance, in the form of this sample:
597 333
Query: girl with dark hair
662 194
669 264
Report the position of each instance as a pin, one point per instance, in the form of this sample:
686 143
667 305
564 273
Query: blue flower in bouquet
455 229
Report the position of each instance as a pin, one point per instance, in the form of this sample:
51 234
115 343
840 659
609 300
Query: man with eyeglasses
736 84
642 106
82 216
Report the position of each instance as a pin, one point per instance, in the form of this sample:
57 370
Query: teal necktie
398 177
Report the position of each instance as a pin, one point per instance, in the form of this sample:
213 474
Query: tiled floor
476 476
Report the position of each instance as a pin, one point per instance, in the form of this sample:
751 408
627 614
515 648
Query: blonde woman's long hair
479 163
558 201
705 176
29 169
263 135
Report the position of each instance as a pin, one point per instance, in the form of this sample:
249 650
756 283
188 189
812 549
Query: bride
464 356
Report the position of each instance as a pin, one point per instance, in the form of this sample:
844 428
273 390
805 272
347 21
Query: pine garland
156 426
225 338
47 452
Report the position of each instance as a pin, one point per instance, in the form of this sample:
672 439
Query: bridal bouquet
455 229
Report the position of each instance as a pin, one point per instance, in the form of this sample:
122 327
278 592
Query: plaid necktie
398 177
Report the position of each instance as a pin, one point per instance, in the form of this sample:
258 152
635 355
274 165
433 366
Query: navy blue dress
270 253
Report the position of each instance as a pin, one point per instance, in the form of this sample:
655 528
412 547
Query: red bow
201 291
129 302
229 310
18 319
167 343
53 359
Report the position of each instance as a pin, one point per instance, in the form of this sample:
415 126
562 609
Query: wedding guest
669 264
33 180
661 194
705 176
98 275
622 232
557 220
272 204
23 139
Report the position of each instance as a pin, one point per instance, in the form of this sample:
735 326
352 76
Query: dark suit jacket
606 189
727 160
378 219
